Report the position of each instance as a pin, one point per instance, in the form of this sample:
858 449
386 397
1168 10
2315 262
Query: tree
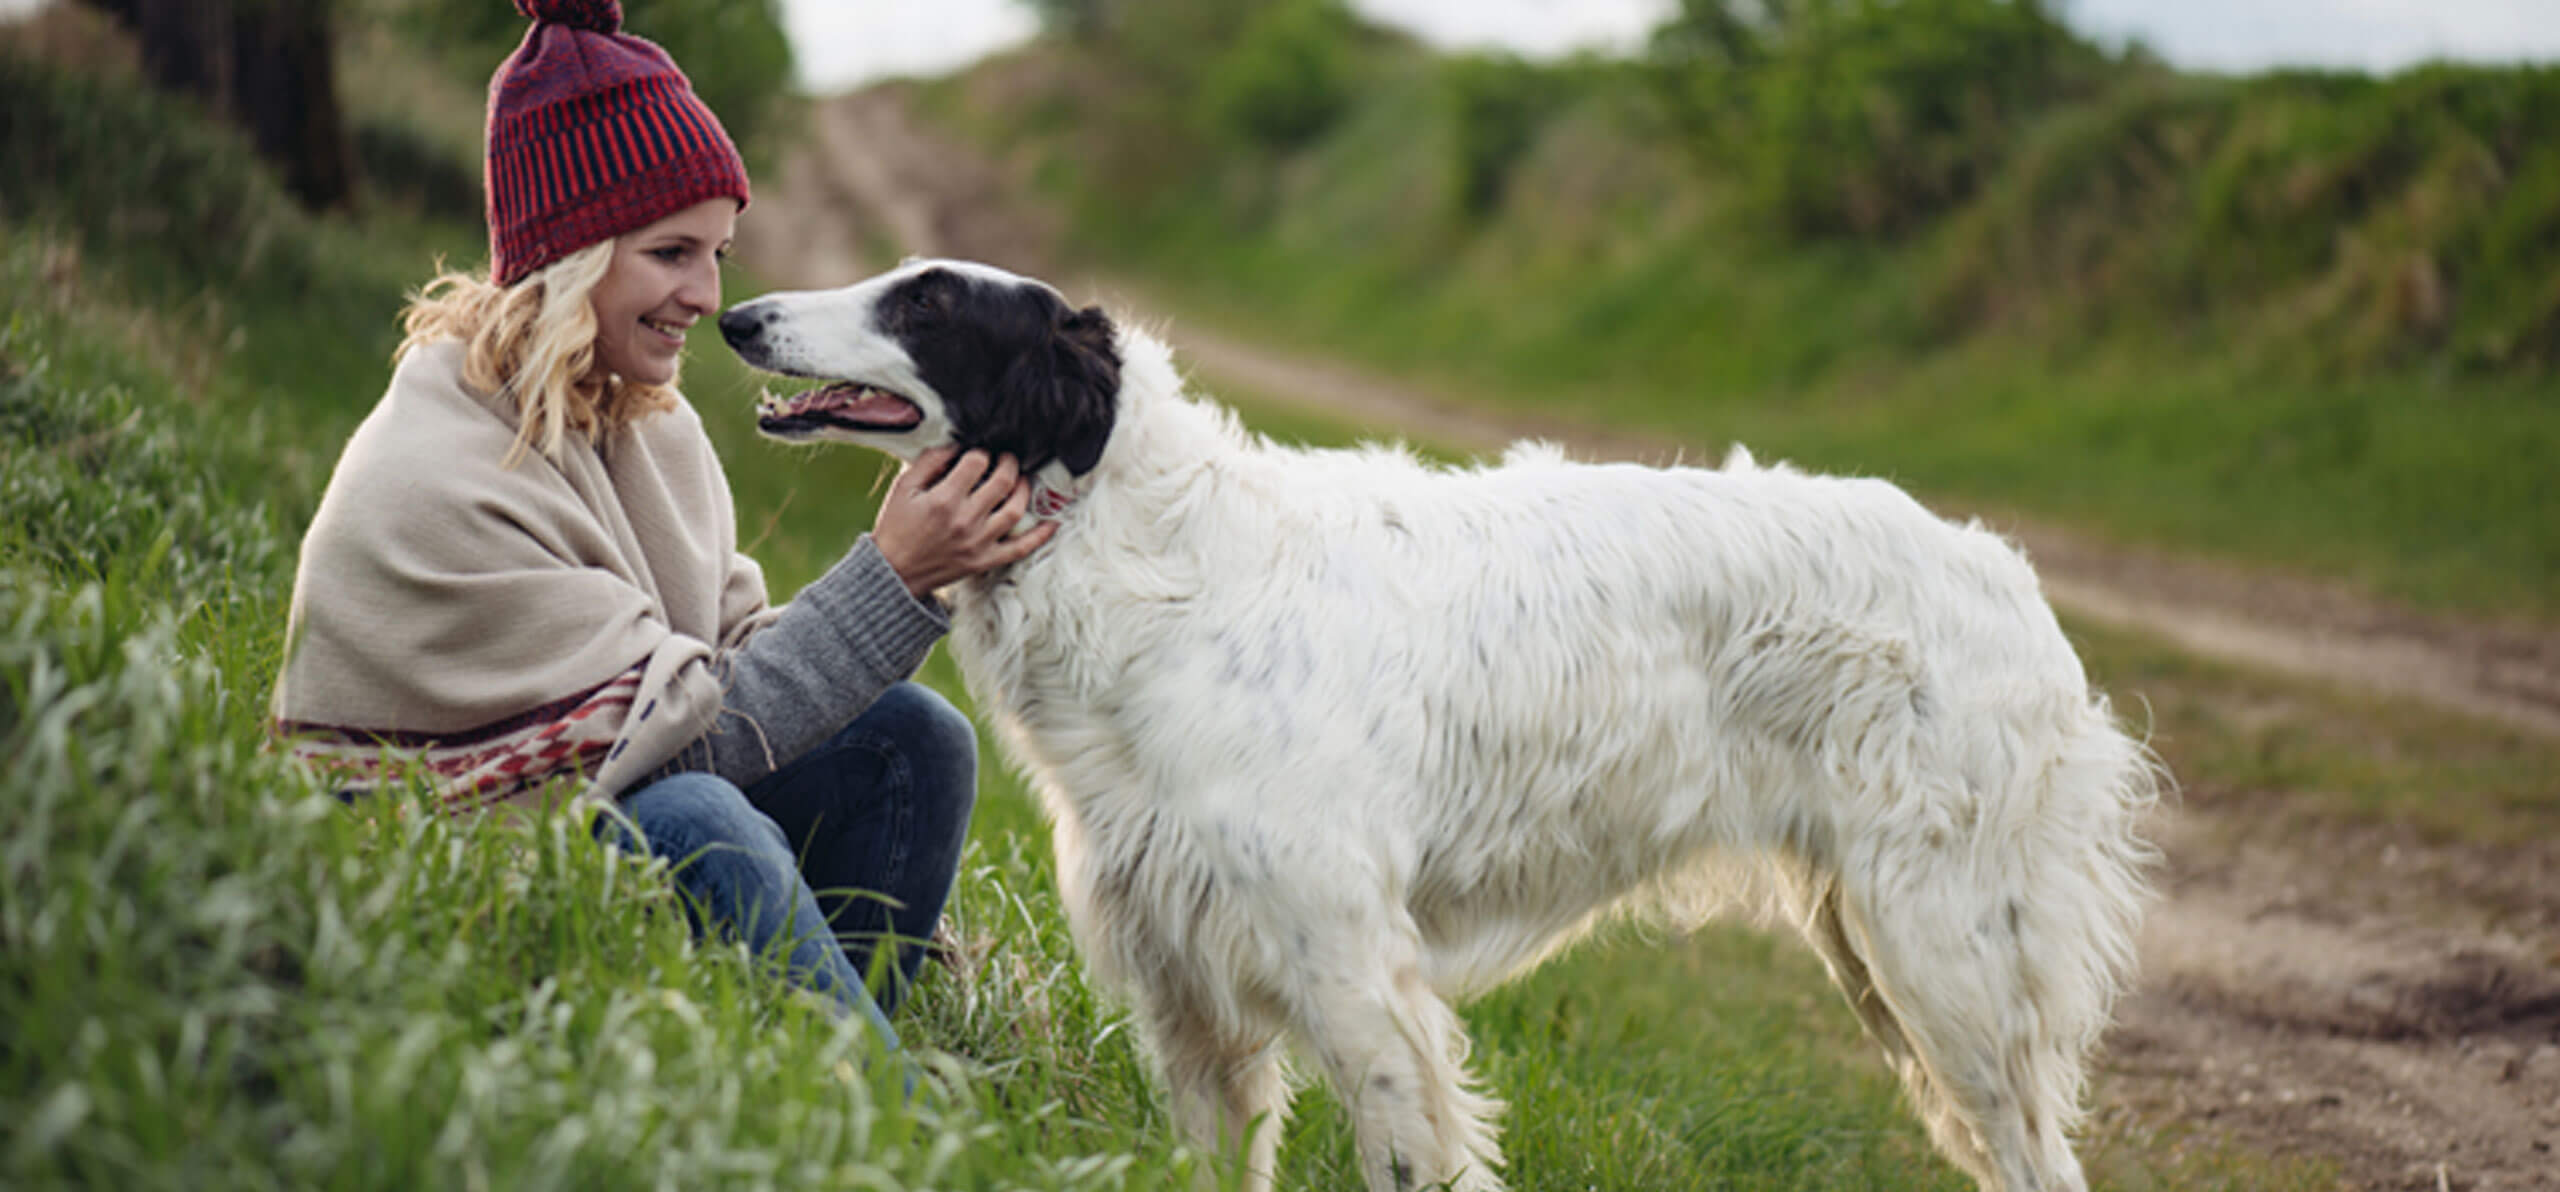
1076 20
265 65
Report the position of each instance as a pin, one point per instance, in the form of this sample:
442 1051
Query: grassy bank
2298 321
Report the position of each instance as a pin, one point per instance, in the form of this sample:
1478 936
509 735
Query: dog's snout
743 325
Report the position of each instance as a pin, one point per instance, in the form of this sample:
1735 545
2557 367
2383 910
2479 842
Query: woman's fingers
1002 481
1015 547
951 514
921 472
966 472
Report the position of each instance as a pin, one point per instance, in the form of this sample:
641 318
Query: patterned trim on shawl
481 767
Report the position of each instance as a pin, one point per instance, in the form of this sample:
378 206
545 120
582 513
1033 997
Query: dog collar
1053 490
1048 504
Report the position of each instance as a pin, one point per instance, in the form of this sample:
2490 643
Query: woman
523 577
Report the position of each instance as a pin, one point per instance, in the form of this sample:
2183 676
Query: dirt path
2352 993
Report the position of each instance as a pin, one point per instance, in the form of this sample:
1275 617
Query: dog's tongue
853 403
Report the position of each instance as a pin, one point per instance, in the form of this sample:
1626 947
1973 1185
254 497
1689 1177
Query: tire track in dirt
2357 994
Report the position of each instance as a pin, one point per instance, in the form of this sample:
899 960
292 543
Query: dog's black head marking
1020 370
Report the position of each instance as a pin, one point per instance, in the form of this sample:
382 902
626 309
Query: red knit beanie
593 132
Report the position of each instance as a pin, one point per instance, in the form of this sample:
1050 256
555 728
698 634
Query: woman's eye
672 254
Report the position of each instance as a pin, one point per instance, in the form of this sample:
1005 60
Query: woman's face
664 277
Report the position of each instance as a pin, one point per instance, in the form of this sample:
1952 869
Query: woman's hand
950 515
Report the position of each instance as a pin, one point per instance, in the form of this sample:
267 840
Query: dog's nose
741 325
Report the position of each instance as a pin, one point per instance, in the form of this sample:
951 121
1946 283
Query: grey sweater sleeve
843 640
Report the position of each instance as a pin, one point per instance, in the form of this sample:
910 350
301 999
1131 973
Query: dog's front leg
1220 1062
1228 1096
1395 1052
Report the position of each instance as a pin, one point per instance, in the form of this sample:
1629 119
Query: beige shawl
507 625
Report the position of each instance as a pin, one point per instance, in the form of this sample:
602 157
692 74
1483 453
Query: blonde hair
534 340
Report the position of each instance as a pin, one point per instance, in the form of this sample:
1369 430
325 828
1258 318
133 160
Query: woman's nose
701 289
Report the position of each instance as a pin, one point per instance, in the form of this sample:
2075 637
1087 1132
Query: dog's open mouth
844 404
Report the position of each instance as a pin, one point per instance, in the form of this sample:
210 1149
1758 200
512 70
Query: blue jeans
850 846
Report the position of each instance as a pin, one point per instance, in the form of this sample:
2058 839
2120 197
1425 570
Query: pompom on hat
593 132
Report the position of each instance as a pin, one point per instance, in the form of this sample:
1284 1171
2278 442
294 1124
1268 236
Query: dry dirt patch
2353 993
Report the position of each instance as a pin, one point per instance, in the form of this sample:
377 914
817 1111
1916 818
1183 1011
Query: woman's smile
668 329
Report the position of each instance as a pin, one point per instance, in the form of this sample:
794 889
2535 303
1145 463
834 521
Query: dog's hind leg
1947 997
1823 929
1396 1054
1997 959
1814 901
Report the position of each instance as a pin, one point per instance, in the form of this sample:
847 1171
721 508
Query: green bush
179 212
2422 208
1498 103
1073 19
1286 78
1864 117
2345 219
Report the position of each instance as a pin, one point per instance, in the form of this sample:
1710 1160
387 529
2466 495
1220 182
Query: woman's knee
940 744
925 717
684 813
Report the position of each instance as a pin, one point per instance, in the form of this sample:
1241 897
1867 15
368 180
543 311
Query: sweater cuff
896 629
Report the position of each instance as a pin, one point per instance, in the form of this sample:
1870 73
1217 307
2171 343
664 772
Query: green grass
2233 734
224 979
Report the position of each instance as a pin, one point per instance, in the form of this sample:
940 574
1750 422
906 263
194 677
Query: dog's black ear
1063 395
1092 346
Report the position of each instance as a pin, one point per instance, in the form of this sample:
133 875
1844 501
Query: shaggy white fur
1331 738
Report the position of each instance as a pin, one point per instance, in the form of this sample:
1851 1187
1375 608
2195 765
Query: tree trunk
184 43
266 66
284 89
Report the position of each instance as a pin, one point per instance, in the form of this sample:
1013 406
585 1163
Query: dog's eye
921 301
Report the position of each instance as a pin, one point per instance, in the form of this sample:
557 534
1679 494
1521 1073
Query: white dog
1330 738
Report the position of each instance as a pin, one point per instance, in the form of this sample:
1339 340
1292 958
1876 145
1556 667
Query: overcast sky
842 43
